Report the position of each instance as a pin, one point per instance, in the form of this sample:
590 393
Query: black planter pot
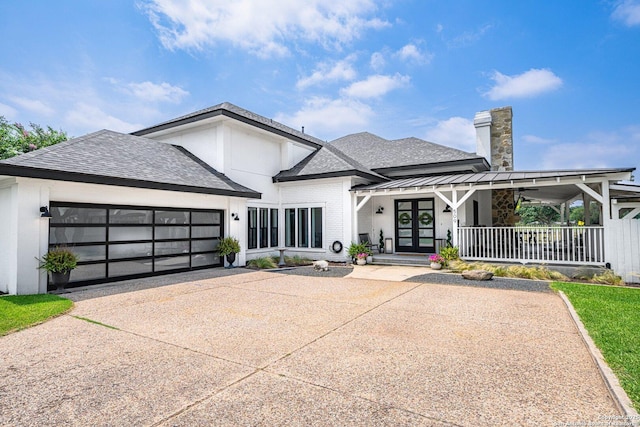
60 280
231 258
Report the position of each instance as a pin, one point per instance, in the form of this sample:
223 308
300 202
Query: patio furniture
364 238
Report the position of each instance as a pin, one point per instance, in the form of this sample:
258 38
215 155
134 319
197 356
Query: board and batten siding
623 250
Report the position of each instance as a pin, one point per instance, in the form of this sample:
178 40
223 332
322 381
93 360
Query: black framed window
115 242
264 227
316 227
290 227
274 228
304 227
252 231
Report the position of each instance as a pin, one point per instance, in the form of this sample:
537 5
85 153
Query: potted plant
229 247
361 258
436 261
356 249
381 242
59 261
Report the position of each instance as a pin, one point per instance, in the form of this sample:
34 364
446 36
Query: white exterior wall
623 249
386 220
27 235
333 195
246 155
8 236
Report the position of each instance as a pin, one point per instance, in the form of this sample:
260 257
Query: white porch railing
582 245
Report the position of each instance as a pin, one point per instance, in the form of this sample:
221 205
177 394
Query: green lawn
612 317
21 311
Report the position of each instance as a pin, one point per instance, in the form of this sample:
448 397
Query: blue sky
569 68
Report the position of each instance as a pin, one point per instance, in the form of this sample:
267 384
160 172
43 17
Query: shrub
228 245
297 260
358 248
262 263
449 253
608 277
59 260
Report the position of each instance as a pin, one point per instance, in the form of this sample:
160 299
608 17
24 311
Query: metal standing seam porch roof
534 181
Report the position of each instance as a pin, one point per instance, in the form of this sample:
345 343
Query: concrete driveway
268 349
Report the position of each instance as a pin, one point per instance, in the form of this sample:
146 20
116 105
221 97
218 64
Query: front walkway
269 349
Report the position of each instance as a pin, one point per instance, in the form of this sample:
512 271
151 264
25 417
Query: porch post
454 217
586 203
606 219
354 218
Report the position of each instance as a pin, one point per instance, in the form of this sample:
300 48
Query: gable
390 157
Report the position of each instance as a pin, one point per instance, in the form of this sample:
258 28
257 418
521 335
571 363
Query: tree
543 215
576 213
16 139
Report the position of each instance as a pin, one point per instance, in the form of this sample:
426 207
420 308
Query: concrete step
396 259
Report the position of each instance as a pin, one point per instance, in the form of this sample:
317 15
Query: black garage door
122 242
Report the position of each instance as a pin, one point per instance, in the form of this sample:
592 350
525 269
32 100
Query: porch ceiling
555 187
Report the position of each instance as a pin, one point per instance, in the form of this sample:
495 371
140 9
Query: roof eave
479 161
27 172
338 174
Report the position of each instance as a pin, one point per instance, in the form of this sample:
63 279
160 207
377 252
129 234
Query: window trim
259 238
309 207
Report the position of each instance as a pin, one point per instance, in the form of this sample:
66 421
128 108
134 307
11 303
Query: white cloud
456 132
595 150
469 38
532 139
411 53
527 84
628 12
328 72
377 61
329 117
7 111
375 86
92 117
586 155
151 92
263 27
33 105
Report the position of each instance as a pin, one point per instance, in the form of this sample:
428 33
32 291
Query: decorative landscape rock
477 275
321 265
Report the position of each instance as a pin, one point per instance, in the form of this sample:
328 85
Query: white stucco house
155 201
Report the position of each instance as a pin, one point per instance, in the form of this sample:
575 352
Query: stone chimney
494 141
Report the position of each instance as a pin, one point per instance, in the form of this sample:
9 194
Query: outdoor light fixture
380 209
235 217
447 209
44 212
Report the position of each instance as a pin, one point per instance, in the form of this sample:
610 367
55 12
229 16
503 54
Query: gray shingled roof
377 153
112 158
233 111
327 162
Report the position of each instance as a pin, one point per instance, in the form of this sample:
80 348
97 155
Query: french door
415 225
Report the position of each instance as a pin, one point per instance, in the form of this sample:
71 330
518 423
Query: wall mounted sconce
44 212
447 209
235 217
380 210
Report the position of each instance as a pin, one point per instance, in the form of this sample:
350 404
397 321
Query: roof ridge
233 109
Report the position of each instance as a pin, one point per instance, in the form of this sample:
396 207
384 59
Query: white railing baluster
550 244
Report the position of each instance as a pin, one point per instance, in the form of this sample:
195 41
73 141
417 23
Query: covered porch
476 213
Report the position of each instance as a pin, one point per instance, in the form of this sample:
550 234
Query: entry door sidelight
415 225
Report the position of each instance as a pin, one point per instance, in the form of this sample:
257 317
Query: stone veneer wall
502 201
